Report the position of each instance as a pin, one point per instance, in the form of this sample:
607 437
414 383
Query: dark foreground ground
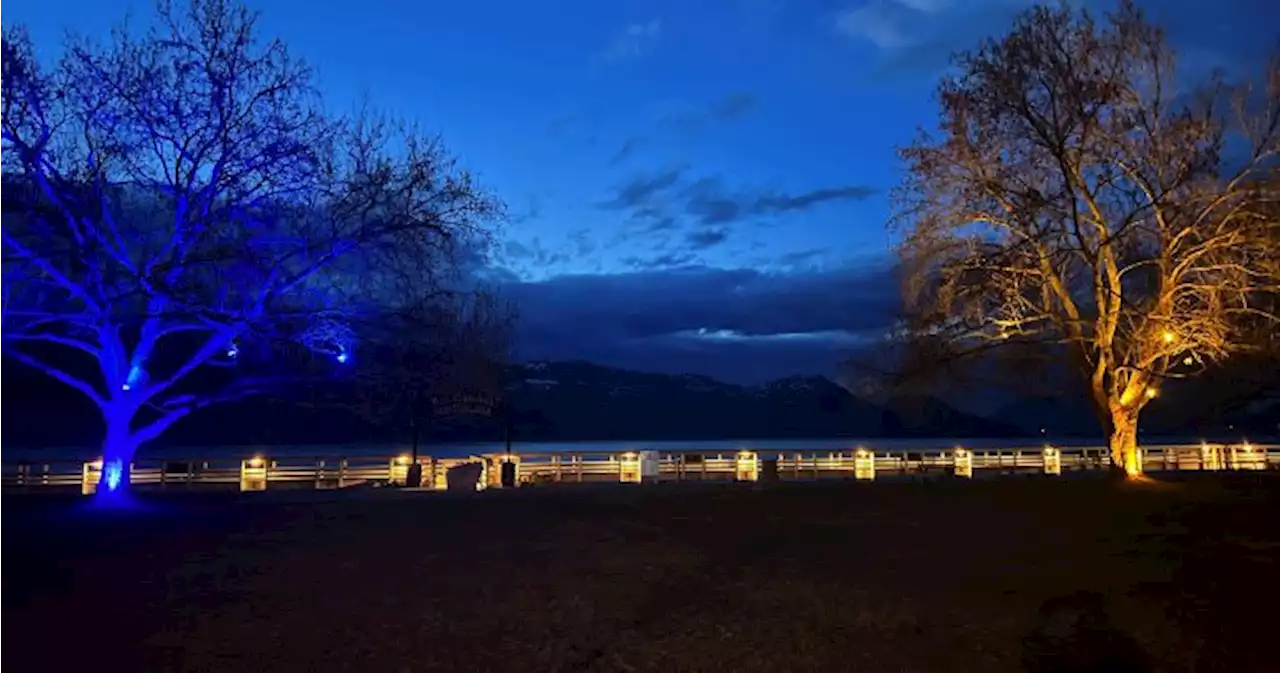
998 576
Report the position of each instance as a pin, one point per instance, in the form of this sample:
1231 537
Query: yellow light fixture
1167 336
1152 392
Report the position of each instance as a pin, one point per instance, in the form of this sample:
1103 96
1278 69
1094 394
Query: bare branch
182 207
1069 197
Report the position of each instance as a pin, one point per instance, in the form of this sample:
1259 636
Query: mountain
1069 415
549 401
579 400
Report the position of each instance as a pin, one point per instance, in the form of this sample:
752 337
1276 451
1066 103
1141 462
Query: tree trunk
117 455
1123 442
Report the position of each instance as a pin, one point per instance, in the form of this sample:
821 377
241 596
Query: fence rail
497 470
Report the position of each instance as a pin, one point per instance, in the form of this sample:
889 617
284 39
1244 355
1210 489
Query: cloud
702 239
669 260
736 324
921 35
662 202
780 203
629 147
734 105
710 202
532 253
918 37
668 194
881 23
639 190
635 41
690 118
800 257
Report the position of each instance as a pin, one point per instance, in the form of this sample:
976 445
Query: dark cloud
702 239
655 220
518 254
800 257
710 202
661 197
734 105
780 203
583 243
638 191
693 119
629 147
755 325
531 210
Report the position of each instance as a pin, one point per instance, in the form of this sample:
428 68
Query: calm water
452 450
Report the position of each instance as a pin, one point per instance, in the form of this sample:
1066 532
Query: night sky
694 185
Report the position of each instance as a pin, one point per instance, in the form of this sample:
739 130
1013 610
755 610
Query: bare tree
439 357
1080 200
181 211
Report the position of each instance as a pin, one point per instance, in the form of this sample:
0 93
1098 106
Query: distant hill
549 401
1055 417
579 400
1184 408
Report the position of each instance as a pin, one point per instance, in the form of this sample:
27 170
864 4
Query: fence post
1052 461
1243 457
90 475
963 459
1210 457
629 468
864 464
398 471
746 466
253 474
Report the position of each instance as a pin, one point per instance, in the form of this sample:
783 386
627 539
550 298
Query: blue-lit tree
180 211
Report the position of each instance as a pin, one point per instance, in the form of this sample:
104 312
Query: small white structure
1052 461
650 466
864 464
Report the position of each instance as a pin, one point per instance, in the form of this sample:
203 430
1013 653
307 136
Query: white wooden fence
263 472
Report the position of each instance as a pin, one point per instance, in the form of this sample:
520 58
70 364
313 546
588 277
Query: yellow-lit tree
1078 198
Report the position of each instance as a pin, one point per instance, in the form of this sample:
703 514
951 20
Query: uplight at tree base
112 474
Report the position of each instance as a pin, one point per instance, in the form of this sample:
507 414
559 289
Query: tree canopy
1079 198
179 198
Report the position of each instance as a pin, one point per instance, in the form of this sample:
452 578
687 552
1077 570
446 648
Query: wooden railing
261 473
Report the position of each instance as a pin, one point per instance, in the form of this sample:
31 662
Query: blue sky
694 186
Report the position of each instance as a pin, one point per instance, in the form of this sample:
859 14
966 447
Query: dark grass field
1020 574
